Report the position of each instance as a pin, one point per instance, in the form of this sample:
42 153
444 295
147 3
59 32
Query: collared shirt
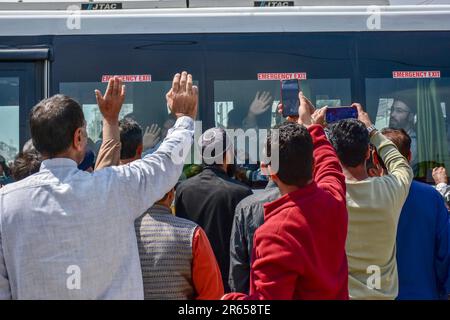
69 234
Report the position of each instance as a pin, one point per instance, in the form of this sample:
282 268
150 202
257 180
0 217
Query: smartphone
334 114
289 97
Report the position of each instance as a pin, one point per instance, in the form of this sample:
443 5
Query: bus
390 56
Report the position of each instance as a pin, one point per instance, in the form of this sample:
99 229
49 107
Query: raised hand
440 175
319 116
305 111
261 103
362 115
182 98
152 136
111 103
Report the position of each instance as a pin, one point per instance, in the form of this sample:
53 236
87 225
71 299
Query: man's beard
393 123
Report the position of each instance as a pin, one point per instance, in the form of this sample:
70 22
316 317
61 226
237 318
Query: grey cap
213 144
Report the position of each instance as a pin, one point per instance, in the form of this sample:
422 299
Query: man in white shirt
69 234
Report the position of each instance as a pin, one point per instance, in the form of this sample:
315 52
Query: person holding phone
292 255
374 205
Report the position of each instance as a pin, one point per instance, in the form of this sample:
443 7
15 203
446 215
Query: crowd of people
340 218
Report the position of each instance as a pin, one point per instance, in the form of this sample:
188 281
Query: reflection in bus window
145 102
9 117
419 106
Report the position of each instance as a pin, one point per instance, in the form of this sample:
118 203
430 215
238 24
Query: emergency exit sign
415 74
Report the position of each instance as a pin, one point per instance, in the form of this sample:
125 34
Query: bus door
22 85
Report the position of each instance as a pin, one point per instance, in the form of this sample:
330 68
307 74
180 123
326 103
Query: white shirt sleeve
143 182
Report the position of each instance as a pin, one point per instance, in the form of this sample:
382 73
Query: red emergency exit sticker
282 76
416 74
129 78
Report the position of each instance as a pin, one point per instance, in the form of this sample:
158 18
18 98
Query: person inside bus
210 198
423 237
153 135
247 169
81 257
374 206
26 163
402 116
293 257
441 183
5 172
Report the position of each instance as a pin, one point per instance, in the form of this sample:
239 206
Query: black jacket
210 199
248 217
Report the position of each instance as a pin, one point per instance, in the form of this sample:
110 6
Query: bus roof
74 21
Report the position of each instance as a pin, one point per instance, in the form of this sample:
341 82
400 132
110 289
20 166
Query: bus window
421 108
145 102
9 117
252 104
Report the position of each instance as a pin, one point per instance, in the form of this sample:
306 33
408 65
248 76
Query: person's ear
367 154
375 160
139 150
273 176
409 156
78 139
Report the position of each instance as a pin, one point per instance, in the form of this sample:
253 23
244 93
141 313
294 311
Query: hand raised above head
261 103
152 135
111 102
440 175
319 116
182 98
362 115
305 111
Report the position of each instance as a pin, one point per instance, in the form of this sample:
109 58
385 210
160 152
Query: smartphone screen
334 114
289 97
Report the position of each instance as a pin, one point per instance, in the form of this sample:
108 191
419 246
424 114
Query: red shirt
206 275
299 251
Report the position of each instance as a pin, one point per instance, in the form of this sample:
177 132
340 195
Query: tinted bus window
9 117
253 104
145 102
421 108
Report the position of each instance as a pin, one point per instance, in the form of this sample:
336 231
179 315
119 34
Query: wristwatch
371 130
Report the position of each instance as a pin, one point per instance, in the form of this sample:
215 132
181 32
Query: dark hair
25 164
4 166
130 137
400 138
234 119
409 100
350 138
295 153
53 123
